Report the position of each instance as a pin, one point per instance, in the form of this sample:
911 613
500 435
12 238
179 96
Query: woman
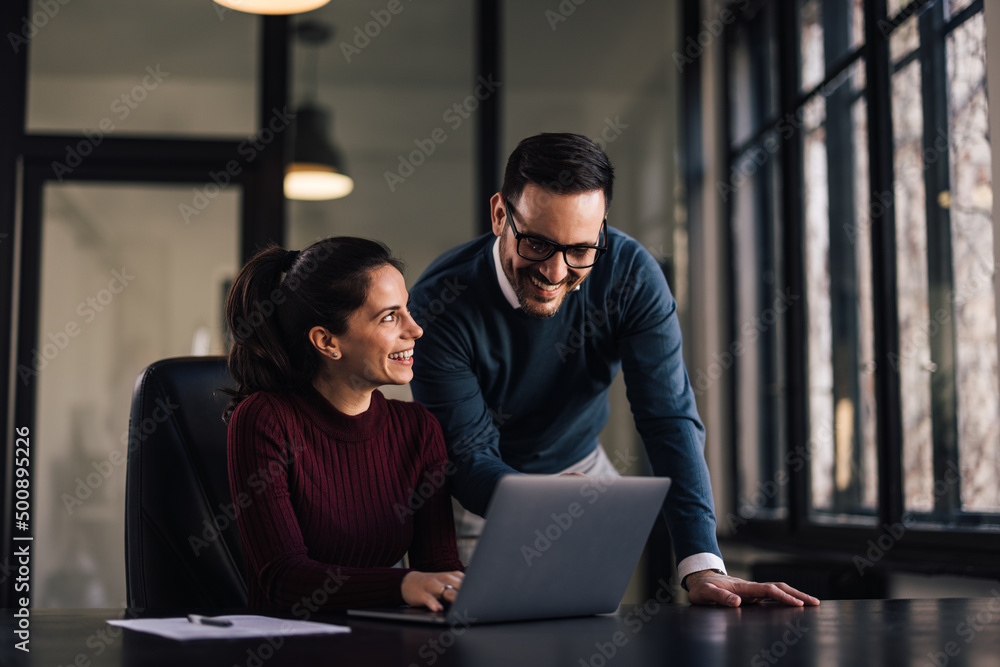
323 469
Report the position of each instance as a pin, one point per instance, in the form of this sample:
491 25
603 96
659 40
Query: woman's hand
427 589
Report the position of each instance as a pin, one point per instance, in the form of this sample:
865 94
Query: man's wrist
711 569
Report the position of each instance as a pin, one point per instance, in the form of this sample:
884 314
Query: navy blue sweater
515 393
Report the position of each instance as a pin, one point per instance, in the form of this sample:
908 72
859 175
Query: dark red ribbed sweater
326 503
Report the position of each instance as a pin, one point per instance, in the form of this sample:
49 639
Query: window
860 207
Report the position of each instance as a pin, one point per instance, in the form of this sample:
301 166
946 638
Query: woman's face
377 348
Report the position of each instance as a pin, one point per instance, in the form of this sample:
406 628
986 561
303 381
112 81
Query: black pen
205 620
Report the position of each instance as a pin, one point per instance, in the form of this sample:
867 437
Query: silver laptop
552 547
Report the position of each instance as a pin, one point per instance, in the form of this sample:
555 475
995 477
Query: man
524 331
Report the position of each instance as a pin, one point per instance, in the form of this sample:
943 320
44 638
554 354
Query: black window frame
957 547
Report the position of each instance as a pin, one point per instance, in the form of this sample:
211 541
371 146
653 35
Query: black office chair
182 546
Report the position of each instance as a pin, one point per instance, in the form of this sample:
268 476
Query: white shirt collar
505 286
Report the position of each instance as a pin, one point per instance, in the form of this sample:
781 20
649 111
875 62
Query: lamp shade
317 167
272 6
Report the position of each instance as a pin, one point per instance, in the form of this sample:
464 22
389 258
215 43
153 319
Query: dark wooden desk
862 632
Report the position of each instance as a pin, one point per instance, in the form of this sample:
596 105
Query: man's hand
710 587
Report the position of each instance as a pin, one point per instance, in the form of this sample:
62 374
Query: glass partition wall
128 273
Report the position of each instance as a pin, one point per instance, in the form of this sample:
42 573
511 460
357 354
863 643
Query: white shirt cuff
699 562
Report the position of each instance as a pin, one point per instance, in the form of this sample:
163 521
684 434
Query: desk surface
850 632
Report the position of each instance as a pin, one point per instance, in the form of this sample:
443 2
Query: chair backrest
182 546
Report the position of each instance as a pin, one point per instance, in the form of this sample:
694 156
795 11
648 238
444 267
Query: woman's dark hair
560 163
269 317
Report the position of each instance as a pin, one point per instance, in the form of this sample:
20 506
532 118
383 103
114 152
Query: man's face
565 219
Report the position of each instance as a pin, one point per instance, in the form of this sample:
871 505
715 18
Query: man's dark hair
560 163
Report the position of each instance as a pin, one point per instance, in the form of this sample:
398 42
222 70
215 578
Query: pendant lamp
316 170
272 6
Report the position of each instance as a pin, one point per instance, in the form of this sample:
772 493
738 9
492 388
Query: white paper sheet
243 627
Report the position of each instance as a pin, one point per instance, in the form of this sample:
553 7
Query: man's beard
526 296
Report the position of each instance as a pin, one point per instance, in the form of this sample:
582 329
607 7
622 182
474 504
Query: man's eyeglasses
535 249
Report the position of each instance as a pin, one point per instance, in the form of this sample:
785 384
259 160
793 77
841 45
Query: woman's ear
324 342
